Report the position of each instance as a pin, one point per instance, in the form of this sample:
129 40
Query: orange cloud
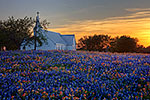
137 9
136 24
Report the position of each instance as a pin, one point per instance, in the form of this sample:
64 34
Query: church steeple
36 29
37 25
38 14
37 18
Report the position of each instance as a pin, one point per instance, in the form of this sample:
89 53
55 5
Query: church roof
68 39
54 37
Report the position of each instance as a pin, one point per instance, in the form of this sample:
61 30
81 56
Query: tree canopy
94 43
125 44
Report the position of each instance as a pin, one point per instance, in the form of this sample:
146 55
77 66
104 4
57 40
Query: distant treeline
105 43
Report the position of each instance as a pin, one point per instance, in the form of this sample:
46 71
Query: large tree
13 32
125 44
147 50
94 43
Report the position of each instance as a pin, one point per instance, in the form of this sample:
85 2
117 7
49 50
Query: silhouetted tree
125 44
140 49
94 43
147 49
113 44
13 32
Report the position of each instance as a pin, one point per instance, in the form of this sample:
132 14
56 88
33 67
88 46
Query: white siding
60 46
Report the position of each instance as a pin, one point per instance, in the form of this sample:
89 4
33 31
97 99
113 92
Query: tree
94 43
147 49
126 44
13 32
113 44
140 49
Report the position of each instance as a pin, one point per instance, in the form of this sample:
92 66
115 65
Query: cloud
137 9
136 24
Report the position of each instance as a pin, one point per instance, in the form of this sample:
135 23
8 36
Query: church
54 40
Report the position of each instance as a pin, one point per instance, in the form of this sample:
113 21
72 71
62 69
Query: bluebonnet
73 75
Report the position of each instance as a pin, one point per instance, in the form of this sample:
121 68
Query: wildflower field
73 75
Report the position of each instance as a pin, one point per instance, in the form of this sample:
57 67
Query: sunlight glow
136 25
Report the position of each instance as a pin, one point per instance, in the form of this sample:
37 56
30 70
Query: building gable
69 39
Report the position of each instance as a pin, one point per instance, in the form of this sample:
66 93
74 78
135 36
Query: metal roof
68 39
55 37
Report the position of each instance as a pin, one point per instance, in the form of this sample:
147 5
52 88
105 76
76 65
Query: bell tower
36 29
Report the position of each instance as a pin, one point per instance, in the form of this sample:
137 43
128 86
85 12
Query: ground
74 75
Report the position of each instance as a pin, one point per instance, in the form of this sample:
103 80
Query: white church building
55 41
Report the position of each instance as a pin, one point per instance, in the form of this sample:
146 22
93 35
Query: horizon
86 17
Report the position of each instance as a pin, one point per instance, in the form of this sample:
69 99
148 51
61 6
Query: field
73 75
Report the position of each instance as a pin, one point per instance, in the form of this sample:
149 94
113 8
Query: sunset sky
86 17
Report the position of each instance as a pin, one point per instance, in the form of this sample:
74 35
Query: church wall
70 48
60 46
